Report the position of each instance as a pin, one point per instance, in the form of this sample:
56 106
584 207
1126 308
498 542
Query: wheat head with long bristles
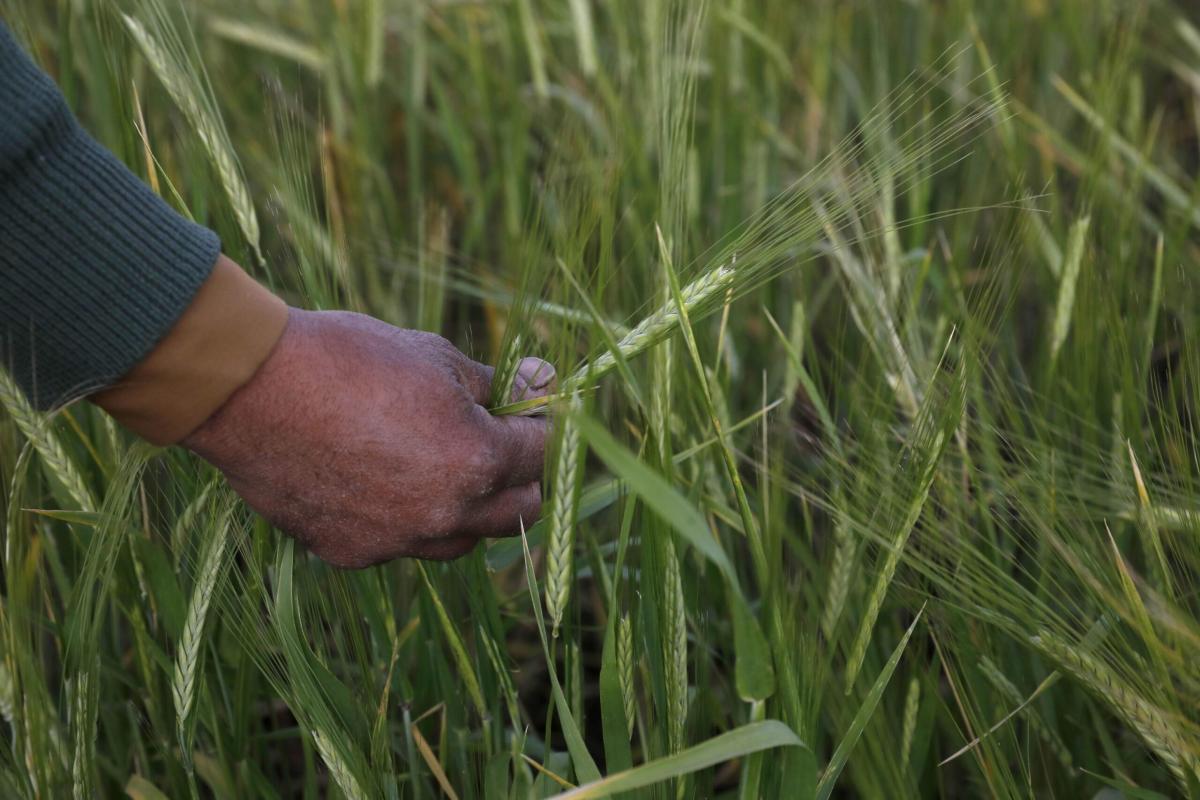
169 58
1151 722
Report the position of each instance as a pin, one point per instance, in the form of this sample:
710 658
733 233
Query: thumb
535 378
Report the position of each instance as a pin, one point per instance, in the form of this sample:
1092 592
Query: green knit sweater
94 267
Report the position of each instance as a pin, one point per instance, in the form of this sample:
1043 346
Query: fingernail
537 373
533 377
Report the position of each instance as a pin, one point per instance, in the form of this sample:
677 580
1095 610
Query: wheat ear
187 658
169 58
33 426
338 768
1150 722
625 669
839 575
661 323
83 700
676 647
563 505
912 704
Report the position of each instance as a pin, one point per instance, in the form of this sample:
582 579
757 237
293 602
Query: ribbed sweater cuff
115 265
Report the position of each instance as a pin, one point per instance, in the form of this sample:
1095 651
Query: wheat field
875 473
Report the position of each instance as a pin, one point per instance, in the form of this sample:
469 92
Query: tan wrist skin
214 348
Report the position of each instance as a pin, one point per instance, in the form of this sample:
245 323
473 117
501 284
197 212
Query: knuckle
443 347
442 520
480 462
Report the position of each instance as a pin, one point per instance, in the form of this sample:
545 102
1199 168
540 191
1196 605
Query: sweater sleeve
95 269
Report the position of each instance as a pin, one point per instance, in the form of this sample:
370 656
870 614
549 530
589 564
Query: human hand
368 442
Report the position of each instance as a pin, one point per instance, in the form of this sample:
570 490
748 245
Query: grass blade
466 670
846 746
752 738
660 496
585 766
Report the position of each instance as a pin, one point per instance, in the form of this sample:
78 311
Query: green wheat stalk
786 228
930 442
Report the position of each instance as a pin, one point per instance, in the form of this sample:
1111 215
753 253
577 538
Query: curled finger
505 512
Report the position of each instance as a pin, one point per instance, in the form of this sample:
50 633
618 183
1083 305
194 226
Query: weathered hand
368 442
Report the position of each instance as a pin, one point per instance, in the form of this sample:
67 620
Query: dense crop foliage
876 469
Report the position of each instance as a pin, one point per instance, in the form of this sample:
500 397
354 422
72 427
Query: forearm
96 273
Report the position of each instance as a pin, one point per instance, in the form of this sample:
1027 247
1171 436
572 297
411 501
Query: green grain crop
876 469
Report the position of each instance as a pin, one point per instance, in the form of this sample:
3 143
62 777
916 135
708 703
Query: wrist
215 347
